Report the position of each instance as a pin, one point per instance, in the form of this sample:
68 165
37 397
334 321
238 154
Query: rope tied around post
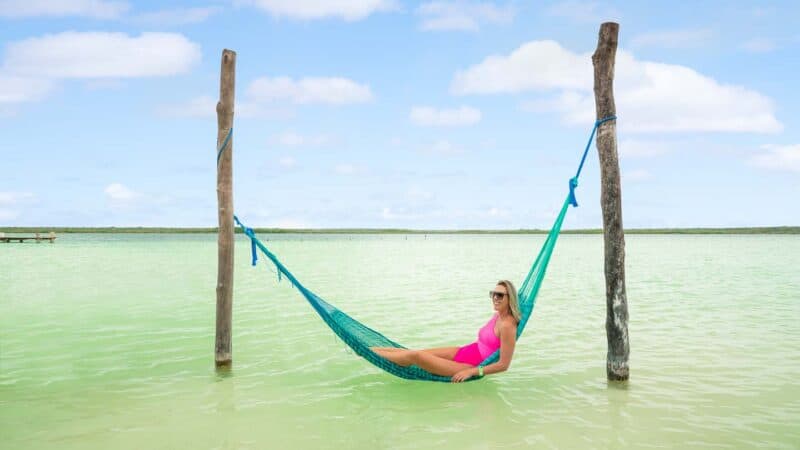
224 144
573 182
252 235
361 339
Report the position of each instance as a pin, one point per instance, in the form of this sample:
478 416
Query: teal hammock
360 337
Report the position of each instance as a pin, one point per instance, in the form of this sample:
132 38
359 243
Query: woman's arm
508 340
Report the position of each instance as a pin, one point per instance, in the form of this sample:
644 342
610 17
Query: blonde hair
513 301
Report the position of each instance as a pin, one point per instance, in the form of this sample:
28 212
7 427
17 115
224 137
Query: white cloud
98 9
759 45
8 214
332 90
584 12
387 214
347 169
10 198
31 67
292 139
778 157
12 204
349 10
651 97
73 54
14 89
7 111
443 147
287 162
179 16
401 213
289 139
673 38
97 84
461 15
117 192
415 194
203 107
498 212
428 116
537 65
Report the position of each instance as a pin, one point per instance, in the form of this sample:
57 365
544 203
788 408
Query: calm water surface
106 341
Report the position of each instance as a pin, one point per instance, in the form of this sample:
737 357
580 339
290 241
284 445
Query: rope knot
573 183
252 235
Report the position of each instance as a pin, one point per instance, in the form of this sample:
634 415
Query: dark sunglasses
493 294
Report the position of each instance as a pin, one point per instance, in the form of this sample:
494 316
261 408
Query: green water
106 341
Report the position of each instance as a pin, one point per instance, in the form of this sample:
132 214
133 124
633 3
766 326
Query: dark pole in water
611 201
227 82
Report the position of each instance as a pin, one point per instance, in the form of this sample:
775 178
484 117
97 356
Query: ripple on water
110 346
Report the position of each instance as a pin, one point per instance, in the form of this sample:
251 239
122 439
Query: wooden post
222 347
611 202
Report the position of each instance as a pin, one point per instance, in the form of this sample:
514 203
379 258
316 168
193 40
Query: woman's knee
413 356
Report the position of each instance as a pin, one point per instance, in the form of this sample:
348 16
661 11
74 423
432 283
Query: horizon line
783 229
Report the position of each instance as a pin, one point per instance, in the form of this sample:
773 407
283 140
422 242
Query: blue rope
224 144
573 182
252 235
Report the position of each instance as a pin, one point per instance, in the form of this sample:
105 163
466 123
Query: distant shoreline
164 230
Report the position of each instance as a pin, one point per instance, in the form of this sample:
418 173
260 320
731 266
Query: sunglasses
493 294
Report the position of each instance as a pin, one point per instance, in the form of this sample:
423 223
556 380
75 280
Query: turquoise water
106 341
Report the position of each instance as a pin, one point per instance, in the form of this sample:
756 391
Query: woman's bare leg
425 359
387 349
399 355
442 352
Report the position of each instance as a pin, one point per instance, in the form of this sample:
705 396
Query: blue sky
382 113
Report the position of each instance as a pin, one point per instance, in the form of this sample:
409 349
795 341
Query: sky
394 114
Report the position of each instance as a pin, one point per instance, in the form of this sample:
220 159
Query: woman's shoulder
508 322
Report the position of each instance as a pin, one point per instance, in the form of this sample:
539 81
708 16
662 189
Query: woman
461 363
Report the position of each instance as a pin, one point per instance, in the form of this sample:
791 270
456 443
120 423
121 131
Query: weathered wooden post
611 201
223 353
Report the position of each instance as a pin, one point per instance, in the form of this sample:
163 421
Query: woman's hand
464 375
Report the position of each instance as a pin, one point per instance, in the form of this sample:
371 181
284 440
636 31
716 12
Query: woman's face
499 298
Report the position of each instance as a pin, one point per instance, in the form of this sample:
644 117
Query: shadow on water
450 415
222 372
618 413
618 385
390 396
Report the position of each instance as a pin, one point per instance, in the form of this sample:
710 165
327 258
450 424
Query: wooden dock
38 237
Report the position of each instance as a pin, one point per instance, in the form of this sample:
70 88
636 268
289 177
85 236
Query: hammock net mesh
360 337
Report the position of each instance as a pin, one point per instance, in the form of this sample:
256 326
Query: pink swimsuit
479 350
